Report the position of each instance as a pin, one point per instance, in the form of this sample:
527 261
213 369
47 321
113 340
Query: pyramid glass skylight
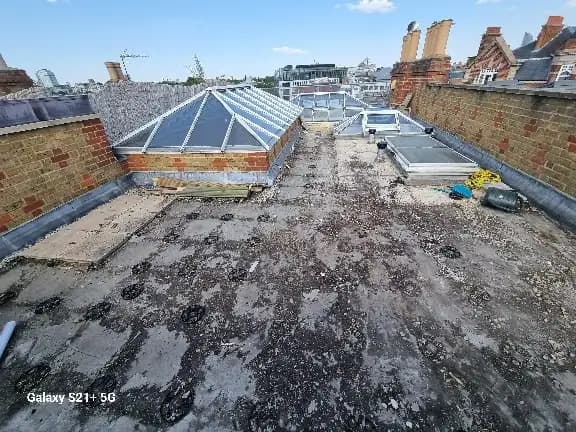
220 119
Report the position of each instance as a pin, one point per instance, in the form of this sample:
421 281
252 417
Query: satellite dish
413 26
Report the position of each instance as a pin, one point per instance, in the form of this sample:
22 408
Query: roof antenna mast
125 55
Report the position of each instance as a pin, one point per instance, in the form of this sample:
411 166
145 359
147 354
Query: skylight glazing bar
277 108
133 134
149 140
193 125
217 95
242 121
293 109
260 128
273 99
263 104
286 106
248 125
256 108
258 116
278 103
147 125
228 132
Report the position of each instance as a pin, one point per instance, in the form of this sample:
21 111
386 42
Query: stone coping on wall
44 124
525 92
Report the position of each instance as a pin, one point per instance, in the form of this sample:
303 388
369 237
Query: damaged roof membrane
219 119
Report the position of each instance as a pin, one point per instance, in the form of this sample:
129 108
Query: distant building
293 80
527 39
12 79
551 57
364 72
47 78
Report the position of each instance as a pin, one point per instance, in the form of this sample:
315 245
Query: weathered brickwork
534 132
408 76
44 168
206 162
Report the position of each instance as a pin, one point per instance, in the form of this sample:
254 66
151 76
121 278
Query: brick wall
206 162
43 168
533 131
407 77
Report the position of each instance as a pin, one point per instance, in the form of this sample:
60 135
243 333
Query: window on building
485 76
565 72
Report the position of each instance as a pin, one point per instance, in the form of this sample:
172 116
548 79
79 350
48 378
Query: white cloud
372 6
479 2
289 51
571 3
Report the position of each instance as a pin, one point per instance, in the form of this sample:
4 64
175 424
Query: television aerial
124 55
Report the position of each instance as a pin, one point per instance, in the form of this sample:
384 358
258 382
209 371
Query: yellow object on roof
480 177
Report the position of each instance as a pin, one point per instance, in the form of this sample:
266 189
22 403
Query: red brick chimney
553 26
493 31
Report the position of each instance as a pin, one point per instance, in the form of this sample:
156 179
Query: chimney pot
493 31
555 20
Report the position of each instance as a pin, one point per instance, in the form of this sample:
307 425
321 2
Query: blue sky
74 38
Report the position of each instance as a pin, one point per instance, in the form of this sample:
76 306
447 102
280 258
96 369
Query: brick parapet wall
43 168
208 162
531 130
407 77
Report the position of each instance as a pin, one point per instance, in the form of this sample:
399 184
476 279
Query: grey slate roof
534 70
528 51
536 63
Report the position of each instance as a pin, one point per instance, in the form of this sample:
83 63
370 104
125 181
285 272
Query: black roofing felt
534 70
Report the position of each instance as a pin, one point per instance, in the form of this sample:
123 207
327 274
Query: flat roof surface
340 299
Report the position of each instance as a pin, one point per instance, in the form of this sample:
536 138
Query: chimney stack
427 41
437 39
410 46
553 26
115 71
441 38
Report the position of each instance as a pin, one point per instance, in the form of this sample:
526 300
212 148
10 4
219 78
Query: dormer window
485 76
565 72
